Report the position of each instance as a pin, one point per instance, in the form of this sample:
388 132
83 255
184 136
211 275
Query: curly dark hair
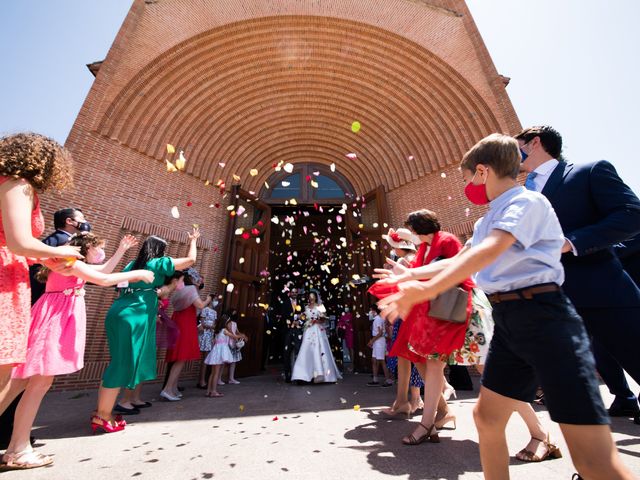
84 240
40 160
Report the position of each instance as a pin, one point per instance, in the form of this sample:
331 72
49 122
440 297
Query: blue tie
529 184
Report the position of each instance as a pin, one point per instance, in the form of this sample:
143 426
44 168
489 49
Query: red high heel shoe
106 426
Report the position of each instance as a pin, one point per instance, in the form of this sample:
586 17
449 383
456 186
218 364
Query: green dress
131 329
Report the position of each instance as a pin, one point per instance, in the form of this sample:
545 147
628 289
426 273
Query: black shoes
126 411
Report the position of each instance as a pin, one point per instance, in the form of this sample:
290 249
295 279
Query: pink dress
15 294
58 329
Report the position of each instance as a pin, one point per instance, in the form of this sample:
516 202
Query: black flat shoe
181 389
201 387
142 405
126 411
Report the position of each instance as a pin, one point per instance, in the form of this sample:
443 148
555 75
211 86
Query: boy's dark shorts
543 342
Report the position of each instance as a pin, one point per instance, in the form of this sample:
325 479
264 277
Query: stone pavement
265 429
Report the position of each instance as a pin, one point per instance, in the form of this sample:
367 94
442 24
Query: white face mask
372 316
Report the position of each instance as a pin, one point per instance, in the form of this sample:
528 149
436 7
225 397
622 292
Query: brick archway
260 91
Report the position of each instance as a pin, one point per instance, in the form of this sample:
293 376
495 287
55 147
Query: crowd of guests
43 314
538 297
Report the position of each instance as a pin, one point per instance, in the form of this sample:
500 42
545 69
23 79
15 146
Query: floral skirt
478 336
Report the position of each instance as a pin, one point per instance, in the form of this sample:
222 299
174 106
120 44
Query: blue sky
573 64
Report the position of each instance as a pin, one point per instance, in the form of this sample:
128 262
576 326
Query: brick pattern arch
257 92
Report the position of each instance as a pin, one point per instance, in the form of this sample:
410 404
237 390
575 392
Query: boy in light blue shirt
539 338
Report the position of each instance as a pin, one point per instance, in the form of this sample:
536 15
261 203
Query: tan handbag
450 306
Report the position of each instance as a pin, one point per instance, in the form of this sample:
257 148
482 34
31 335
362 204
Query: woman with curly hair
29 163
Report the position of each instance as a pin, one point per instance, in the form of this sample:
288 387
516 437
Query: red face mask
477 194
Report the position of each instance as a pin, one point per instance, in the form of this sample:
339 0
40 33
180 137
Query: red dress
186 346
421 336
15 294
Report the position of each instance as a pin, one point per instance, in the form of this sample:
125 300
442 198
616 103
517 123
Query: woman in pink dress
57 337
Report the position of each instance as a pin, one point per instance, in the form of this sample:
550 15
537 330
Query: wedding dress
315 361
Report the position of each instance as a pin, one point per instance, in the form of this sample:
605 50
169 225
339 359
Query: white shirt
377 327
543 172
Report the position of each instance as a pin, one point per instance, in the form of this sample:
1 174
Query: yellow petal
171 167
335 281
236 178
170 149
253 172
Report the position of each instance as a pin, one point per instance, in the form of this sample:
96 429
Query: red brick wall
252 84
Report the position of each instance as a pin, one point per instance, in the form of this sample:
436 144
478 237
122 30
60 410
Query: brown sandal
24 460
553 451
430 434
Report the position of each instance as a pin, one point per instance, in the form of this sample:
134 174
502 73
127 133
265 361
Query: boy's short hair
549 137
498 151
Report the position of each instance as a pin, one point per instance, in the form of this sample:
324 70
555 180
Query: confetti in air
333 167
180 163
351 156
443 175
170 149
355 127
175 213
171 167
288 167
230 288
253 172
356 408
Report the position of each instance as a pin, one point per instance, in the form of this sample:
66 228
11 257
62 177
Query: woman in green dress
131 328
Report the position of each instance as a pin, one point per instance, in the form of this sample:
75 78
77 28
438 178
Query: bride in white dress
315 361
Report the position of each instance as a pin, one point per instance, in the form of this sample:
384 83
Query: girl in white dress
315 360
220 354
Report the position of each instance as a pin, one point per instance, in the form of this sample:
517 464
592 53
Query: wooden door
367 226
247 255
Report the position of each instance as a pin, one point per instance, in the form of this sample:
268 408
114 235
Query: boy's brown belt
523 294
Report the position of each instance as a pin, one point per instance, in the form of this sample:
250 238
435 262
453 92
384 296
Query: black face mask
83 226
201 286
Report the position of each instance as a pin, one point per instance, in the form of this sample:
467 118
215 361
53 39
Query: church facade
368 104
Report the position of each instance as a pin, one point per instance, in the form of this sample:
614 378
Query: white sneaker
234 382
220 382
168 396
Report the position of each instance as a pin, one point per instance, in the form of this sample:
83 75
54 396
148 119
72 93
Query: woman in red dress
186 303
29 163
424 340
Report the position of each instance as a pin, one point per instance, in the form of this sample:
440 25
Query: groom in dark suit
290 321
597 210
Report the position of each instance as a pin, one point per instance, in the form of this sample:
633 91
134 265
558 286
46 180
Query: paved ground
264 429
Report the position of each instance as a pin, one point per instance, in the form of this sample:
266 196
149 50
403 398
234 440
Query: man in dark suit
290 320
597 211
66 222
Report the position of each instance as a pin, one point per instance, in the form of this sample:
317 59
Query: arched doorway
307 226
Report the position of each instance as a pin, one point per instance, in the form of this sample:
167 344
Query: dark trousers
292 342
459 377
615 333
